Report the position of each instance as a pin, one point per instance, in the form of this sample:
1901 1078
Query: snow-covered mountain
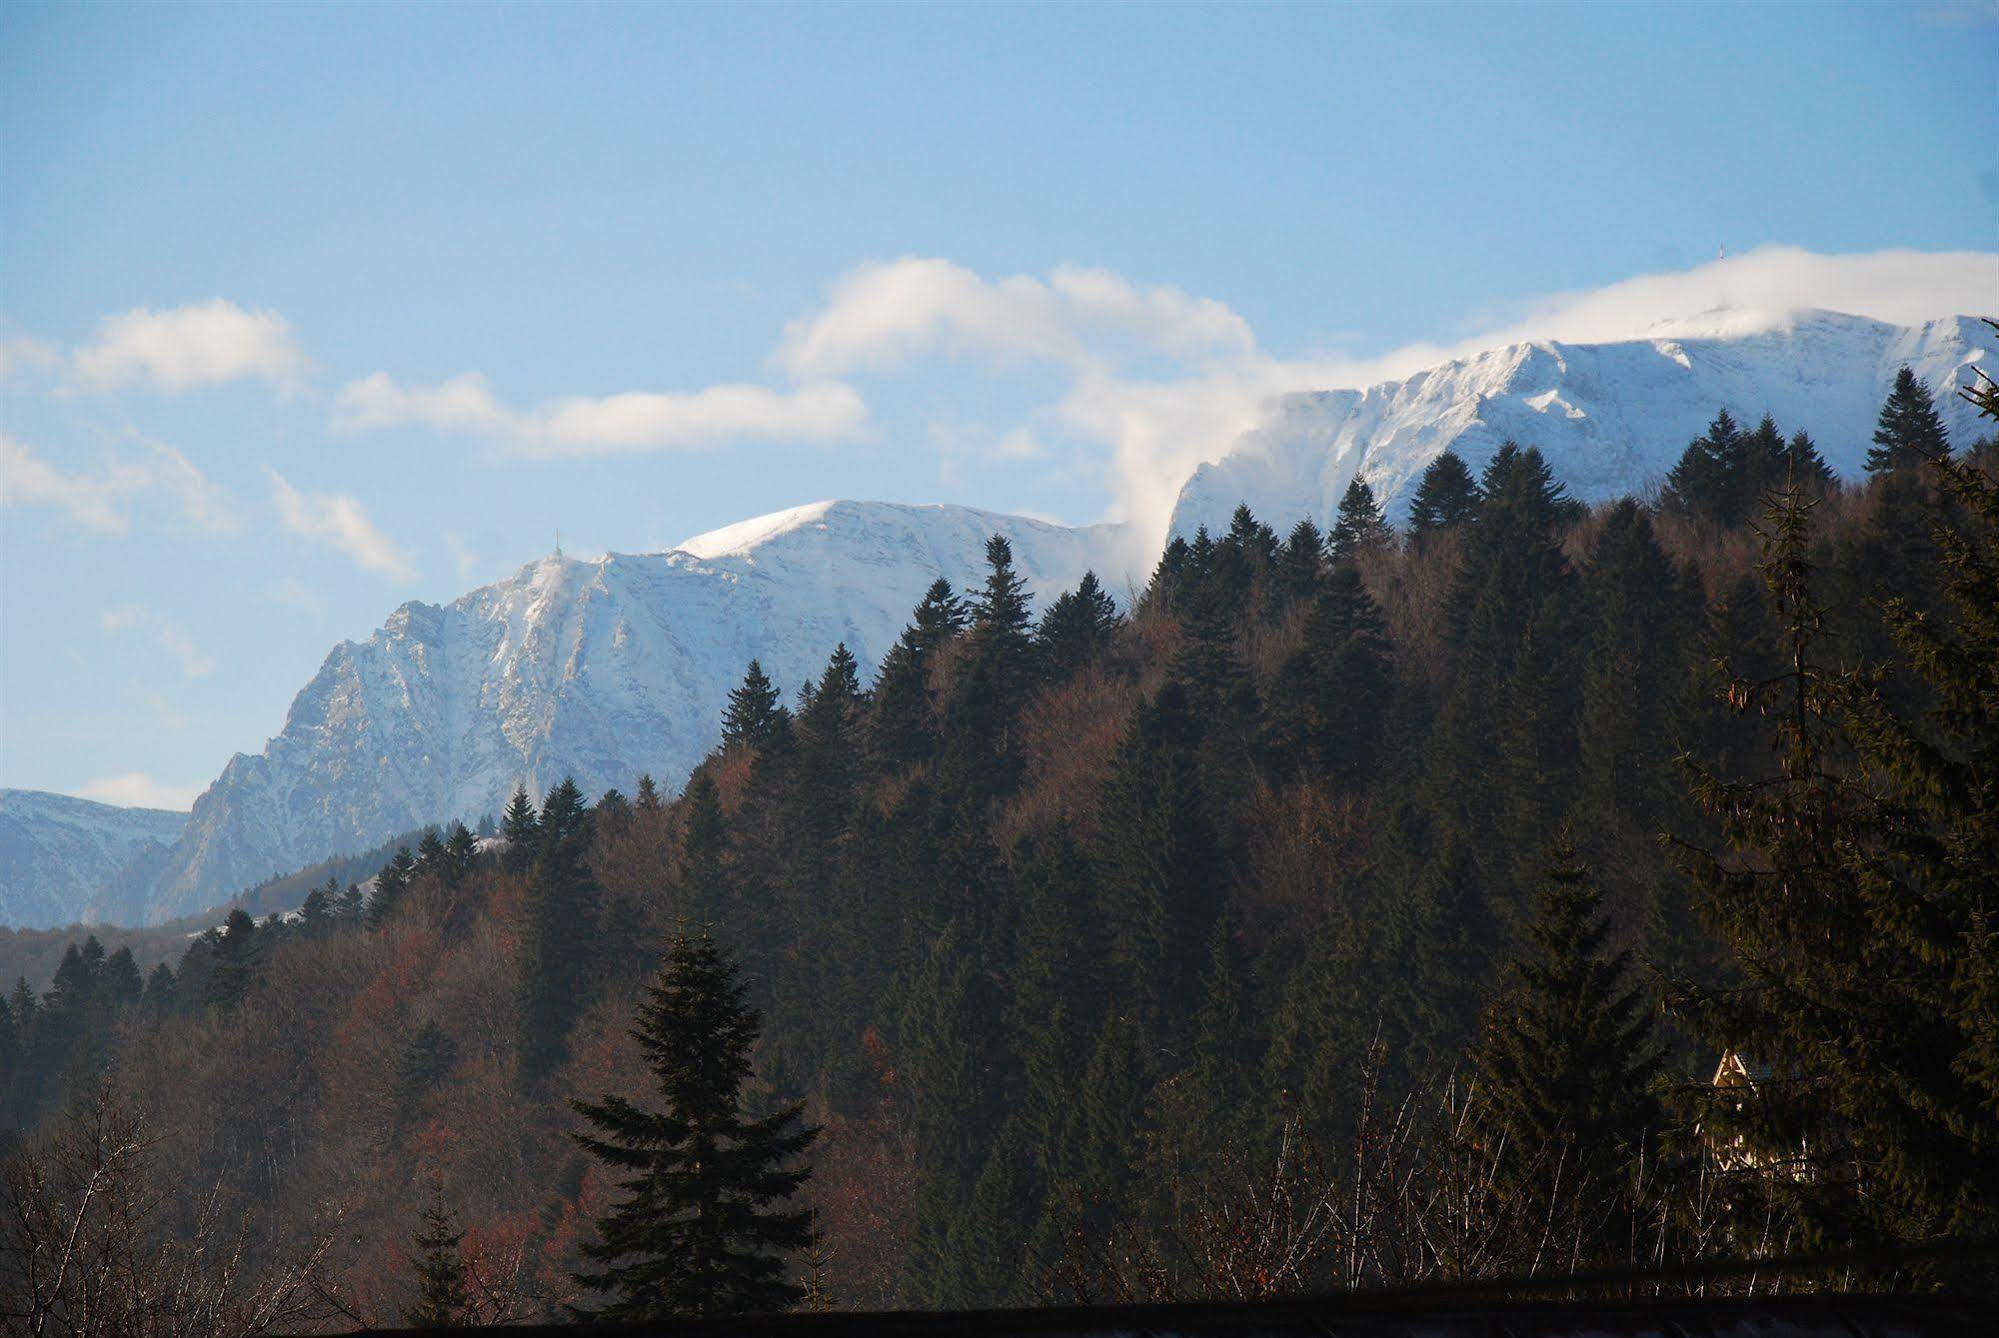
56 851
605 669
598 669
1611 418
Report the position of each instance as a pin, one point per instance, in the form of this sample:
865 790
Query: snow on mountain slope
55 851
599 669
1611 418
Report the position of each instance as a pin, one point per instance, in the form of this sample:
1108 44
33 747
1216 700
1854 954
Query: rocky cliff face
598 669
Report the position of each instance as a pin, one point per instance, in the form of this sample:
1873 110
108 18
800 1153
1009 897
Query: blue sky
309 310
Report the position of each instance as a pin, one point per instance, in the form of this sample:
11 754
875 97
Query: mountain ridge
609 667
1610 417
57 850
597 669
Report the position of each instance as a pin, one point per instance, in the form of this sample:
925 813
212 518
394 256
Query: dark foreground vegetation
1545 893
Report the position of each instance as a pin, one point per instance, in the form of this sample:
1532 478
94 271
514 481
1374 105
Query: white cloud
644 421
135 789
884 313
630 422
1759 289
182 348
168 635
103 500
25 478
24 354
338 519
1208 381
463 403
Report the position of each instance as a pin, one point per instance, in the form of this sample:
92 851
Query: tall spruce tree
1329 703
1301 561
237 961
1910 429
1446 496
952 1060
706 1228
1564 1071
520 826
1710 483
1160 874
1359 527
558 932
1077 628
755 711
981 756
902 728
1854 891
704 846
443 1279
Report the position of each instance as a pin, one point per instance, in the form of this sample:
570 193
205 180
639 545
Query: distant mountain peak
1612 418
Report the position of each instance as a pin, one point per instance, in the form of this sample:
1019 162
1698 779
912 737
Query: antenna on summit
558 543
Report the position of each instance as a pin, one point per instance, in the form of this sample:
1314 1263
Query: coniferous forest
1532 890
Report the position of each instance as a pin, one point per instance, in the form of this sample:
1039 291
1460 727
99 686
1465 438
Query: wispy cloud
103 499
27 479
135 789
336 519
631 422
464 403
22 355
885 313
183 348
1161 380
168 635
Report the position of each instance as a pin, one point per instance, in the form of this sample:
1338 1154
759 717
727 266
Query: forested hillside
1360 908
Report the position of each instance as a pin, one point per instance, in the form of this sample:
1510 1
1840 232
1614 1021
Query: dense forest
1536 890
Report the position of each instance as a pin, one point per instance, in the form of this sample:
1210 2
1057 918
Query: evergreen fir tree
704 845
1766 466
902 729
558 933
1222 1087
1078 628
1300 563
160 995
391 885
755 710
648 800
119 985
1857 901
1359 527
237 952
1446 496
1329 704
1159 882
444 1292
981 758
1910 429
1806 467
460 848
431 863
703 1230
1563 1071
1710 483
951 1058
320 905
521 827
